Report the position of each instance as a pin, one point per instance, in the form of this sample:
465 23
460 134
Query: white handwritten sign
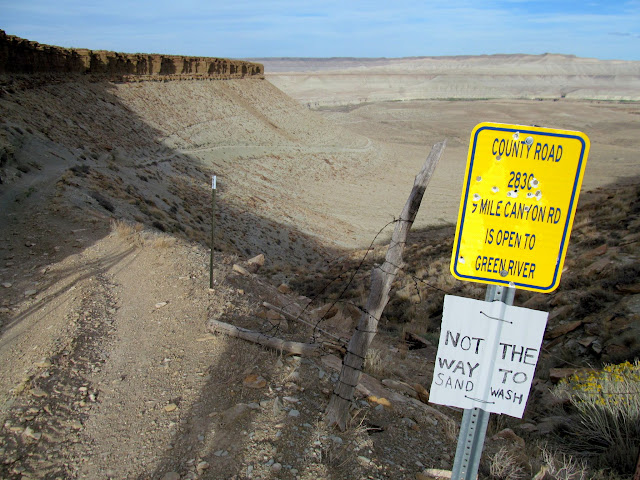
487 355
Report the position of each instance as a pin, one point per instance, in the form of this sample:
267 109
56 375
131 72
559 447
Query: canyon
109 368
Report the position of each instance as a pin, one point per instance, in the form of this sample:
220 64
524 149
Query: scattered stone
410 423
276 467
201 467
30 293
75 424
632 304
592 329
254 264
634 288
560 313
596 252
170 408
423 393
7 284
433 474
294 413
291 399
587 341
400 387
597 267
29 433
43 364
563 329
161 304
254 381
510 435
596 346
239 269
38 393
616 351
234 413
277 406
284 288
171 476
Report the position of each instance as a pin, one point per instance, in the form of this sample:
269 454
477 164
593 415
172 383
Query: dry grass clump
608 409
132 232
562 466
376 363
504 466
339 455
125 229
163 241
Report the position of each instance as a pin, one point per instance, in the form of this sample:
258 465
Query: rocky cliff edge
21 56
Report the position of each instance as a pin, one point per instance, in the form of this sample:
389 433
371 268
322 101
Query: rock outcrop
20 56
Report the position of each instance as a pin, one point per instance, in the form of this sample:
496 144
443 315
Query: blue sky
332 28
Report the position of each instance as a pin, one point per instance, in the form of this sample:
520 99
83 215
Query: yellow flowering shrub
608 406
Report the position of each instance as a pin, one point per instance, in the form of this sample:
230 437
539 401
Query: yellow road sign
519 198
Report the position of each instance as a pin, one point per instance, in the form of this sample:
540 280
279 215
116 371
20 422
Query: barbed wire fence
302 313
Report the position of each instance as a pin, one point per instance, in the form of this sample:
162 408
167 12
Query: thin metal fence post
473 427
213 226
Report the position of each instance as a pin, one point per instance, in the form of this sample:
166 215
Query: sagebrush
607 403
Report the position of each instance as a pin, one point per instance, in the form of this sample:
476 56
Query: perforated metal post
213 227
475 420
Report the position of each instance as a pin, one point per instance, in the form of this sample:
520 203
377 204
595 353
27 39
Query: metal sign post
475 420
519 197
213 225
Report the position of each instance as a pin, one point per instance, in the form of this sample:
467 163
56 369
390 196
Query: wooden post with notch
381 279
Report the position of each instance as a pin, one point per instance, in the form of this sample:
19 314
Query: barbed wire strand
343 342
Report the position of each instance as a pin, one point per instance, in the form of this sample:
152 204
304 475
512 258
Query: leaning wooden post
381 279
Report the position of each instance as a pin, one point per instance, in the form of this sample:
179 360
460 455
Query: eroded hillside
146 152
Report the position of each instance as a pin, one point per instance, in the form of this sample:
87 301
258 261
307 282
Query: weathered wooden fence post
381 279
